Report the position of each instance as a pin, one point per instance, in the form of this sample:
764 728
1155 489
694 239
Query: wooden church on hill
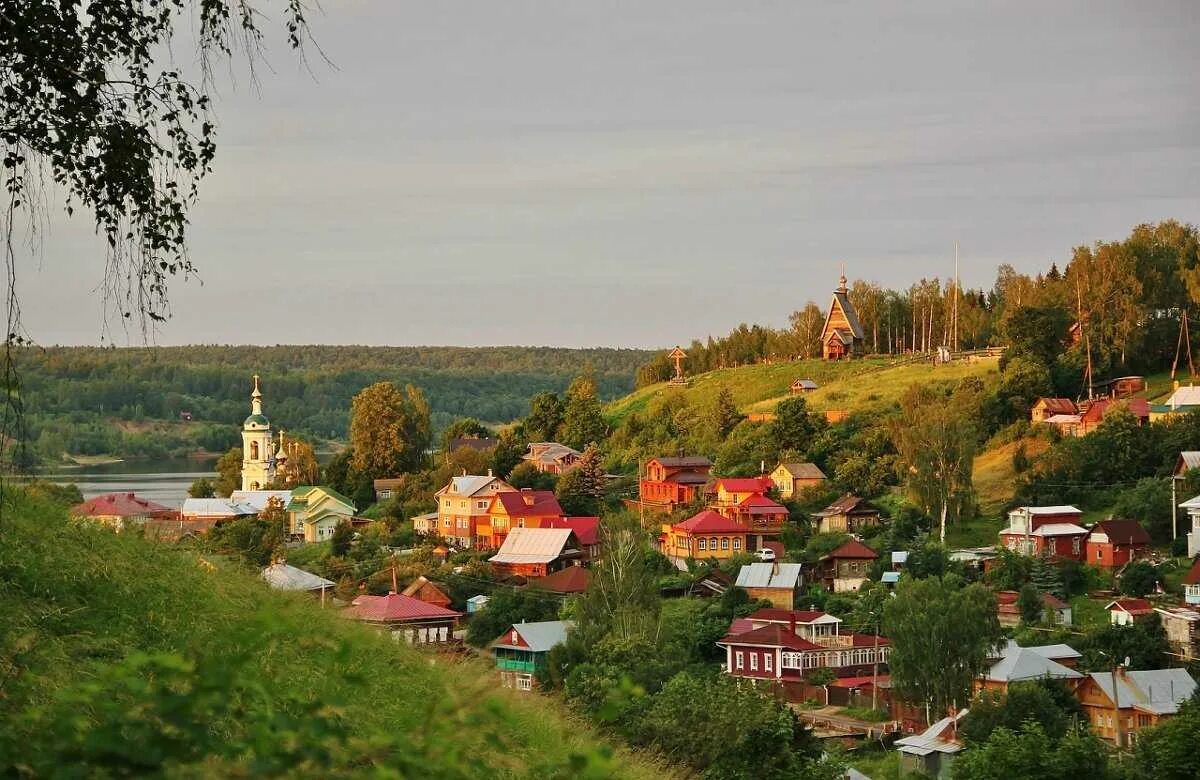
842 336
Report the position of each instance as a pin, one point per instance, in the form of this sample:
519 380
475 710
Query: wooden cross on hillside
678 355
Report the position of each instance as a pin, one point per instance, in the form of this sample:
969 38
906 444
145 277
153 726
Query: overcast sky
644 173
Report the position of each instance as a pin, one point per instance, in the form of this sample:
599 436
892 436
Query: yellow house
794 478
706 535
314 512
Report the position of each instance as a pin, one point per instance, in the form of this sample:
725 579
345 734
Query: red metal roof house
1114 543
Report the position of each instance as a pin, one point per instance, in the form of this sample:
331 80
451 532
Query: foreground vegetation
123 657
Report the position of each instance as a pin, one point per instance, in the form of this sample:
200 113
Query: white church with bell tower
259 459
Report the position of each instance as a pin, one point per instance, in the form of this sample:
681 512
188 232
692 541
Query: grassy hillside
120 657
994 475
851 386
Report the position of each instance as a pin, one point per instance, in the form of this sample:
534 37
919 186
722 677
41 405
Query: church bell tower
258 456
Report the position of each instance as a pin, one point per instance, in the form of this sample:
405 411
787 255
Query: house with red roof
1126 612
1113 543
1054 610
1091 417
119 511
784 646
708 534
669 482
1045 408
509 509
745 500
1191 584
846 568
463 505
419 622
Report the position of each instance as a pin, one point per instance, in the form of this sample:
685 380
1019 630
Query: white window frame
740 659
754 662
767 663
702 544
737 542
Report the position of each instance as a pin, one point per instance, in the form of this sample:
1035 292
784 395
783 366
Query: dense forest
86 401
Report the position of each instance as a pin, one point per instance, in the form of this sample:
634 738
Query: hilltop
851 386
124 656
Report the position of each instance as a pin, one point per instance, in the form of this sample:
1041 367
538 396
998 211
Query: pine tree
1047 578
591 472
582 423
725 415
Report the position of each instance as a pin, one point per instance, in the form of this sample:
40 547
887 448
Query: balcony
513 665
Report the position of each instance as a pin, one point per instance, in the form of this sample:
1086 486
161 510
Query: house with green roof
521 651
313 512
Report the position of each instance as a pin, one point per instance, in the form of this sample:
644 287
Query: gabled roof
1026 664
539 637
709 522
769 575
1122 531
1060 509
761 505
1132 606
573 579
803 470
466 485
852 549
938 738
119 505
807 384
1156 691
534 545
433 594
1184 396
1059 529
303 494
1057 405
845 504
684 462
395 608
773 635
529 502
841 298
587 529
1188 459
744 484
1193 575
1138 407
804 616
282 576
1063 419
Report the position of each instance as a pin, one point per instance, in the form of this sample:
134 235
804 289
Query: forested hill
74 394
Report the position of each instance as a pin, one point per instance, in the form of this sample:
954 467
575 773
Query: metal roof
1184 396
890 577
282 576
532 545
1062 509
930 740
769 575
1024 663
803 470
539 636
216 507
1158 691
1059 529
1190 458
258 498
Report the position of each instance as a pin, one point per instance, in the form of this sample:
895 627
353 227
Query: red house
1114 543
587 531
669 482
1090 418
1045 530
537 552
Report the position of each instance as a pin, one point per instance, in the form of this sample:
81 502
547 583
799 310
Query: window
724 542
740 659
767 661
1098 554
481 504
712 543
737 543
525 683
703 544
1075 545
446 503
462 504
253 450
754 662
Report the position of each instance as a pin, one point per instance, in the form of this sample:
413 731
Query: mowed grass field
851 386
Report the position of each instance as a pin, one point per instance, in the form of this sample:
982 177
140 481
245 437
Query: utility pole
956 296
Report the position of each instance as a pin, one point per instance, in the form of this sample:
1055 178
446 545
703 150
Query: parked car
765 554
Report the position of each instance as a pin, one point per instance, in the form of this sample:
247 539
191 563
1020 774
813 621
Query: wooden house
847 567
1015 664
314 512
565 582
1121 387
1127 611
550 457
424 590
669 482
1045 530
705 535
744 500
120 511
509 509
463 504
1191 584
842 334
536 552
1054 610
792 479
1113 543
388 487
1182 627
1045 408
802 386
1093 413
587 531
417 622
521 651
1119 704
778 583
848 514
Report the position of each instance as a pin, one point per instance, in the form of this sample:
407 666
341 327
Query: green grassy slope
851 386
140 658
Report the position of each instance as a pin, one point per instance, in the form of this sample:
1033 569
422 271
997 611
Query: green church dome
256 419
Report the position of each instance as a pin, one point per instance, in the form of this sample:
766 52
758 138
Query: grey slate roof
763 575
1025 663
1158 691
282 576
930 740
539 636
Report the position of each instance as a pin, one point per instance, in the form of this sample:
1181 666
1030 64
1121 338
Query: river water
164 481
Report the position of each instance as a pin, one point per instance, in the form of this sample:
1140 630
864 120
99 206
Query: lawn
994 476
